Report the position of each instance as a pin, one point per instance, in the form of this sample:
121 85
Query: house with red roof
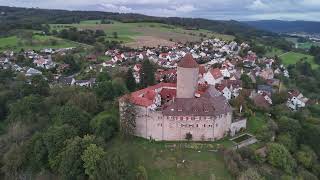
137 67
166 75
213 76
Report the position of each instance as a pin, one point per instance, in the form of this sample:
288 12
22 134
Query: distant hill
34 18
13 18
286 26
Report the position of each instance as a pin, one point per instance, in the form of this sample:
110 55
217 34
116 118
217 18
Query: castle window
197 125
204 125
217 125
187 118
181 118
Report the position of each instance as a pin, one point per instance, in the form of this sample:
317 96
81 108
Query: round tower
187 77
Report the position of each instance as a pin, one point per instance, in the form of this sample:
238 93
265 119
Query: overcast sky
210 9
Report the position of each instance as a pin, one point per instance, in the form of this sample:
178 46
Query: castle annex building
168 112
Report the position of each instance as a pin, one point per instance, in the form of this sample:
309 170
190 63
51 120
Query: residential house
85 83
296 100
224 90
213 76
33 72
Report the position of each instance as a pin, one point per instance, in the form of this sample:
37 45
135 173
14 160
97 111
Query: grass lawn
256 123
164 162
38 42
293 58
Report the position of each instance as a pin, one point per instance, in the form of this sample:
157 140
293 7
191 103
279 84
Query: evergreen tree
147 74
130 81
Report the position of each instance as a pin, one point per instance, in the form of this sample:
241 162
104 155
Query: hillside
30 18
286 26
147 34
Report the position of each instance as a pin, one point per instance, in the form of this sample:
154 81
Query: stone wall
152 124
237 126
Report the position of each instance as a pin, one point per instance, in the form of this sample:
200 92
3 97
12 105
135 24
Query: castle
168 111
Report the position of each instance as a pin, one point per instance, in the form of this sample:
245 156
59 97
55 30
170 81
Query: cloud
211 9
258 5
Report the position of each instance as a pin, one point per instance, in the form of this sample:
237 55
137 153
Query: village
221 66
142 90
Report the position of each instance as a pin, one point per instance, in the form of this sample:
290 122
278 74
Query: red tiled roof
138 67
145 97
294 93
233 83
168 93
216 73
188 62
220 87
150 95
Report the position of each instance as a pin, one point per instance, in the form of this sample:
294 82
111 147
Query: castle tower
188 75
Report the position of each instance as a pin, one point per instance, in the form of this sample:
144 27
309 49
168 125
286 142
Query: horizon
246 10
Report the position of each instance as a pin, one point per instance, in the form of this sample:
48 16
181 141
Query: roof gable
188 62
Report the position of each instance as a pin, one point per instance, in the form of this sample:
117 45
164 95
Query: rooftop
188 62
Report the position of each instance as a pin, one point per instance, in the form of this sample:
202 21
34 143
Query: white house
33 72
226 92
225 73
296 100
117 58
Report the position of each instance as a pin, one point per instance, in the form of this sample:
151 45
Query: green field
272 52
90 22
164 162
38 42
127 32
305 45
293 58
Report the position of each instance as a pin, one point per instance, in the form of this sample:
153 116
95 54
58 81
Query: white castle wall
152 124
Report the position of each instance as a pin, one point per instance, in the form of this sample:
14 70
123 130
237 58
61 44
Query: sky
209 9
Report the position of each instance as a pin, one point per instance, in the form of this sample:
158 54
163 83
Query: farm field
293 58
38 42
136 33
163 161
